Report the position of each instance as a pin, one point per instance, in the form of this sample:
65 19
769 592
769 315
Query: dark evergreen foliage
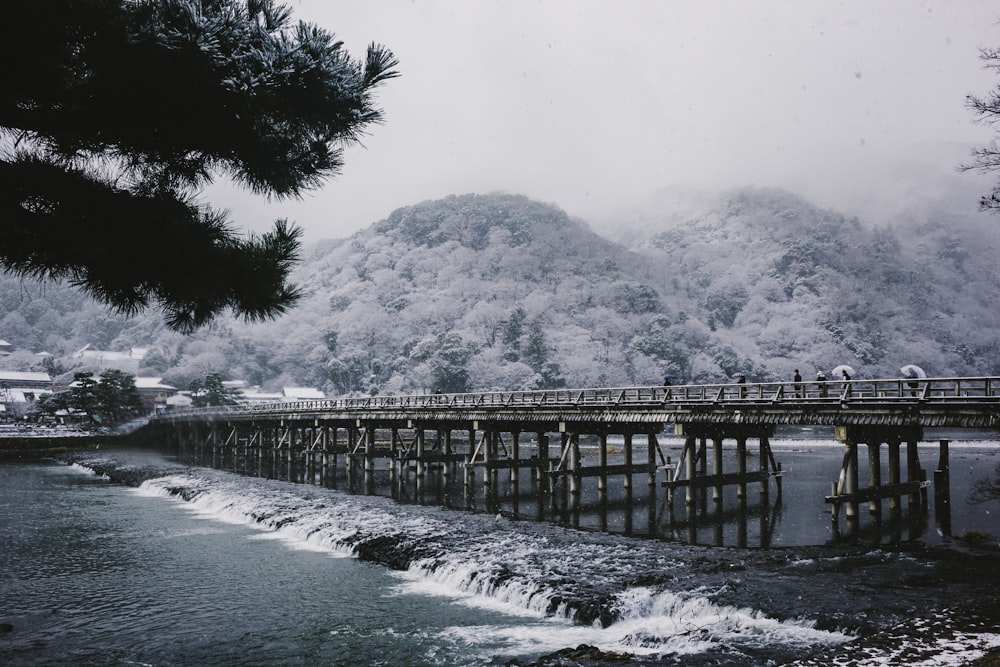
114 113
110 400
210 390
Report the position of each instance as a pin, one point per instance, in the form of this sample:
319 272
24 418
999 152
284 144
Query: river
188 565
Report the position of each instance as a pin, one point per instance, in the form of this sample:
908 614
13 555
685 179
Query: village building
19 390
302 394
154 393
179 401
256 395
127 361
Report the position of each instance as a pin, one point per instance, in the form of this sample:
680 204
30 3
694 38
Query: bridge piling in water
847 490
942 489
691 470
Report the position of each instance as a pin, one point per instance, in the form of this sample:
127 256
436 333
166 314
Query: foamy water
495 564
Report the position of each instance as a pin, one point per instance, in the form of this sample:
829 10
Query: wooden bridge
492 431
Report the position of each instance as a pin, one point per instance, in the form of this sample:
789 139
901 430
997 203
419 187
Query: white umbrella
836 372
911 371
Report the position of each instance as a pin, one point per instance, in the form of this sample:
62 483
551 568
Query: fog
593 105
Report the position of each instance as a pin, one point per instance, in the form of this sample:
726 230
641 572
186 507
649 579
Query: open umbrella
912 373
836 372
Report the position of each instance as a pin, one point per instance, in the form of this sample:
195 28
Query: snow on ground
954 638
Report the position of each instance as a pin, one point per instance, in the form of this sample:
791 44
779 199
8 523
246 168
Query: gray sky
594 104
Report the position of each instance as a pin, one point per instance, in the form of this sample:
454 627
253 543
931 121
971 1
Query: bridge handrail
890 390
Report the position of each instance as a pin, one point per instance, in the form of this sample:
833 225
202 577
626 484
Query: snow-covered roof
89 352
302 393
13 377
152 383
261 397
20 395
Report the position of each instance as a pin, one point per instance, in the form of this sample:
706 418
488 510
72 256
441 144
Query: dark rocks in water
583 655
129 474
395 551
586 609
6 627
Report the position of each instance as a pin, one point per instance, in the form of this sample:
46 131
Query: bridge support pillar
515 453
446 467
875 479
350 461
542 439
420 440
851 480
691 471
575 480
369 452
691 461
628 467
848 492
489 457
652 447
491 470
703 469
324 455
333 448
942 490
913 472
895 507
741 470
602 463
470 471
717 469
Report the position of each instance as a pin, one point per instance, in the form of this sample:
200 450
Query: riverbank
25 442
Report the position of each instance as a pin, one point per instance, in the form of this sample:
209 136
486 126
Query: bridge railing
949 390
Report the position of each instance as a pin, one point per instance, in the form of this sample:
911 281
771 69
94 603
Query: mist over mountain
497 291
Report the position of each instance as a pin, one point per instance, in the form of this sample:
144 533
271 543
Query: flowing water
197 566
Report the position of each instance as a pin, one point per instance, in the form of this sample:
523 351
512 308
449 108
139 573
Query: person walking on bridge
797 379
821 381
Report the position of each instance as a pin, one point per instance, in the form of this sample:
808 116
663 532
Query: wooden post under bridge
848 491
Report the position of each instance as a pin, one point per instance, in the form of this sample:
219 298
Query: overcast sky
593 104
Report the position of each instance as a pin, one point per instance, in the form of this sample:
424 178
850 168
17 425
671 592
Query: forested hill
499 291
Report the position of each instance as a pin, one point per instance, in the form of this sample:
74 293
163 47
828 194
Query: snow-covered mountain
499 291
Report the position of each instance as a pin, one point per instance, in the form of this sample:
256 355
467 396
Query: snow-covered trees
388 315
986 110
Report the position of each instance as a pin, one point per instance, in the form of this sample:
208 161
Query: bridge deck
956 402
